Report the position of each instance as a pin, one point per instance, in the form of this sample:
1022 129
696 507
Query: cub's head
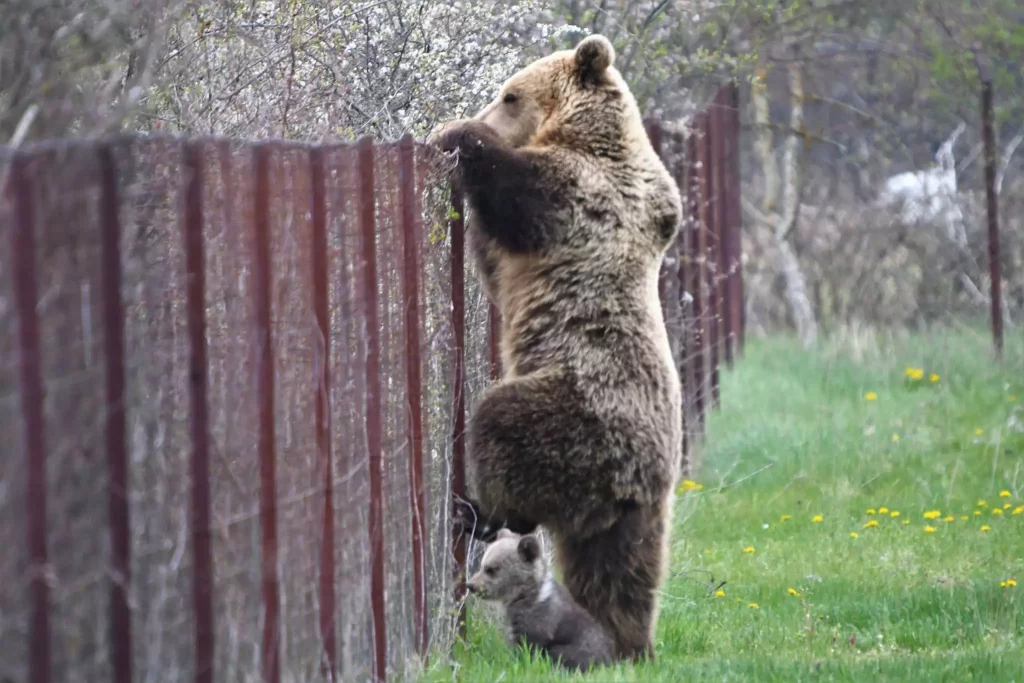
571 97
511 567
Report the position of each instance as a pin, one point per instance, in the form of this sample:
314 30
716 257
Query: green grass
795 436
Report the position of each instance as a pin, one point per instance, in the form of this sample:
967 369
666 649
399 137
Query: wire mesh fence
235 379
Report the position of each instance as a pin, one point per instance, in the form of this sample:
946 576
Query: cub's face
511 566
549 87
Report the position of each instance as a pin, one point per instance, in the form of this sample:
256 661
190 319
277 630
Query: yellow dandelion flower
1018 510
793 592
753 605
982 503
979 431
929 530
914 373
783 518
1007 506
895 438
948 518
977 512
870 511
932 514
871 524
1002 584
698 487
1010 583
688 485
933 378
997 511
985 527
1004 494
883 510
817 518
871 396
963 517
906 521
853 534
894 513
719 593
749 549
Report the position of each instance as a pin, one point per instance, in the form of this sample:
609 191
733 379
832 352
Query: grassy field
866 524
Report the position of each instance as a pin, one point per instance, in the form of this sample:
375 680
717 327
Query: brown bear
570 214
538 609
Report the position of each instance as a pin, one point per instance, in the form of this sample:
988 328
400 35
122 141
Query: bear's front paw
466 136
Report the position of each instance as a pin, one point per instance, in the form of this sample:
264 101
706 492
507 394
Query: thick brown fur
539 611
571 211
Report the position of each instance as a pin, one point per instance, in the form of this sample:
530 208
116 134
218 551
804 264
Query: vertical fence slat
23 267
709 246
697 257
414 385
367 208
326 599
456 228
117 452
195 283
681 176
736 219
723 221
494 340
265 396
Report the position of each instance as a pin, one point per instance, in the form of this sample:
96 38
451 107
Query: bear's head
512 567
574 98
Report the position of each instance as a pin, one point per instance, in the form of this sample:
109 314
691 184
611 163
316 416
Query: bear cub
538 609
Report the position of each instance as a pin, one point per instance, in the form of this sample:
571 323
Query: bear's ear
529 549
594 54
505 532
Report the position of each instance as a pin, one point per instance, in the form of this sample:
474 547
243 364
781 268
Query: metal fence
234 384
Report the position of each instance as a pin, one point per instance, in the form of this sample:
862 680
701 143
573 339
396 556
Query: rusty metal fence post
991 201
456 229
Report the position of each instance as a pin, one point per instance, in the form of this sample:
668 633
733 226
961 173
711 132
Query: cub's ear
594 54
505 532
529 549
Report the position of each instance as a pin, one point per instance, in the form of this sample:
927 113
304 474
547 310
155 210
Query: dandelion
872 523
948 518
895 438
985 527
1009 583
933 378
784 518
883 510
1007 506
793 592
817 518
719 593
982 504
979 431
906 521
977 512
870 511
963 517
853 534
914 373
871 396
1004 494
753 605
688 485
997 511
932 514
1018 510
749 549
929 530
894 514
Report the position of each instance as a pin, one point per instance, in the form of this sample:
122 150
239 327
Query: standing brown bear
571 212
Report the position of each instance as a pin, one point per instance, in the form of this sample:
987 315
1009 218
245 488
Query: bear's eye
510 98
491 571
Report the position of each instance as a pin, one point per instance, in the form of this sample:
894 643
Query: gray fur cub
538 609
